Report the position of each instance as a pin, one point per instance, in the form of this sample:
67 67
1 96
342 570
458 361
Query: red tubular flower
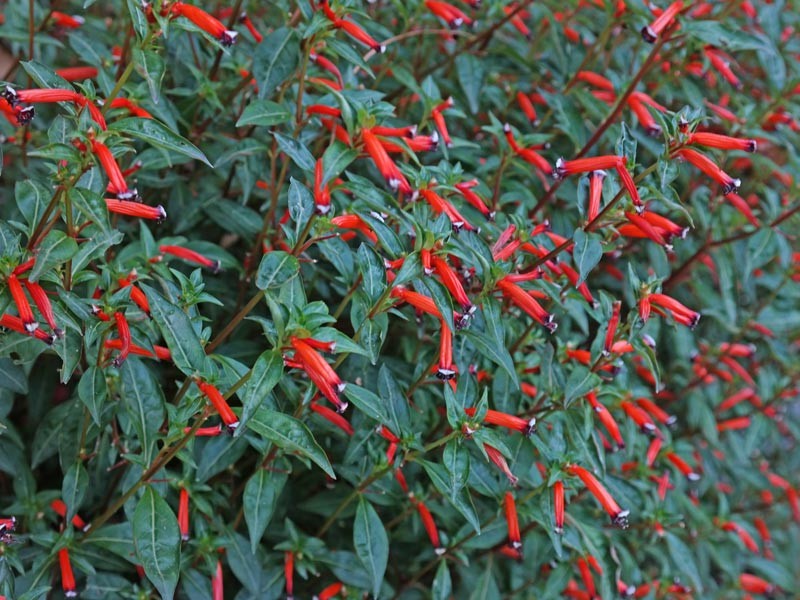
766 538
679 312
438 119
135 209
682 466
743 534
322 196
613 322
606 419
440 205
595 79
159 352
245 20
638 416
710 168
656 411
211 25
22 304
7 525
430 526
454 17
651 32
60 509
66 21
205 431
512 521
42 302
218 584
124 332
755 585
586 576
419 301
652 451
516 20
288 572
527 154
117 184
501 419
583 287
595 194
67 576
565 168
220 404
191 256
721 64
319 372
137 295
77 73
183 513
741 205
500 462
723 142
391 173
527 303
357 223
618 516
330 67
14 323
330 591
644 116
558 506
465 189
332 417
321 109
734 424
446 369
451 281
527 107
668 228
629 185
132 108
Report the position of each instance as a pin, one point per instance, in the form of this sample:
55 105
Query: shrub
399 299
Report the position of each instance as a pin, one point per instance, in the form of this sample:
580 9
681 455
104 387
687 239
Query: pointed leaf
157 540
371 543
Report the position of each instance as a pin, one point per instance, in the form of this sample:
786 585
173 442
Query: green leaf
144 402
296 151
301 204
586 253
158 135
580 382
179 334
55 249
264 113
367 402
336 159
462 501
274 60
157 540
44 77
73 488
265 375
152 68
471 75
442 588
373 273
276 268
290 434
32 199
12 376
684 560
371 543
93 391
260 495
490 343
395 400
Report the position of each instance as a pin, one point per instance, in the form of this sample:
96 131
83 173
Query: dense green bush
399 299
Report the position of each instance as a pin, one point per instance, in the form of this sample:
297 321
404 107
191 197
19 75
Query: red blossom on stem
618 516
